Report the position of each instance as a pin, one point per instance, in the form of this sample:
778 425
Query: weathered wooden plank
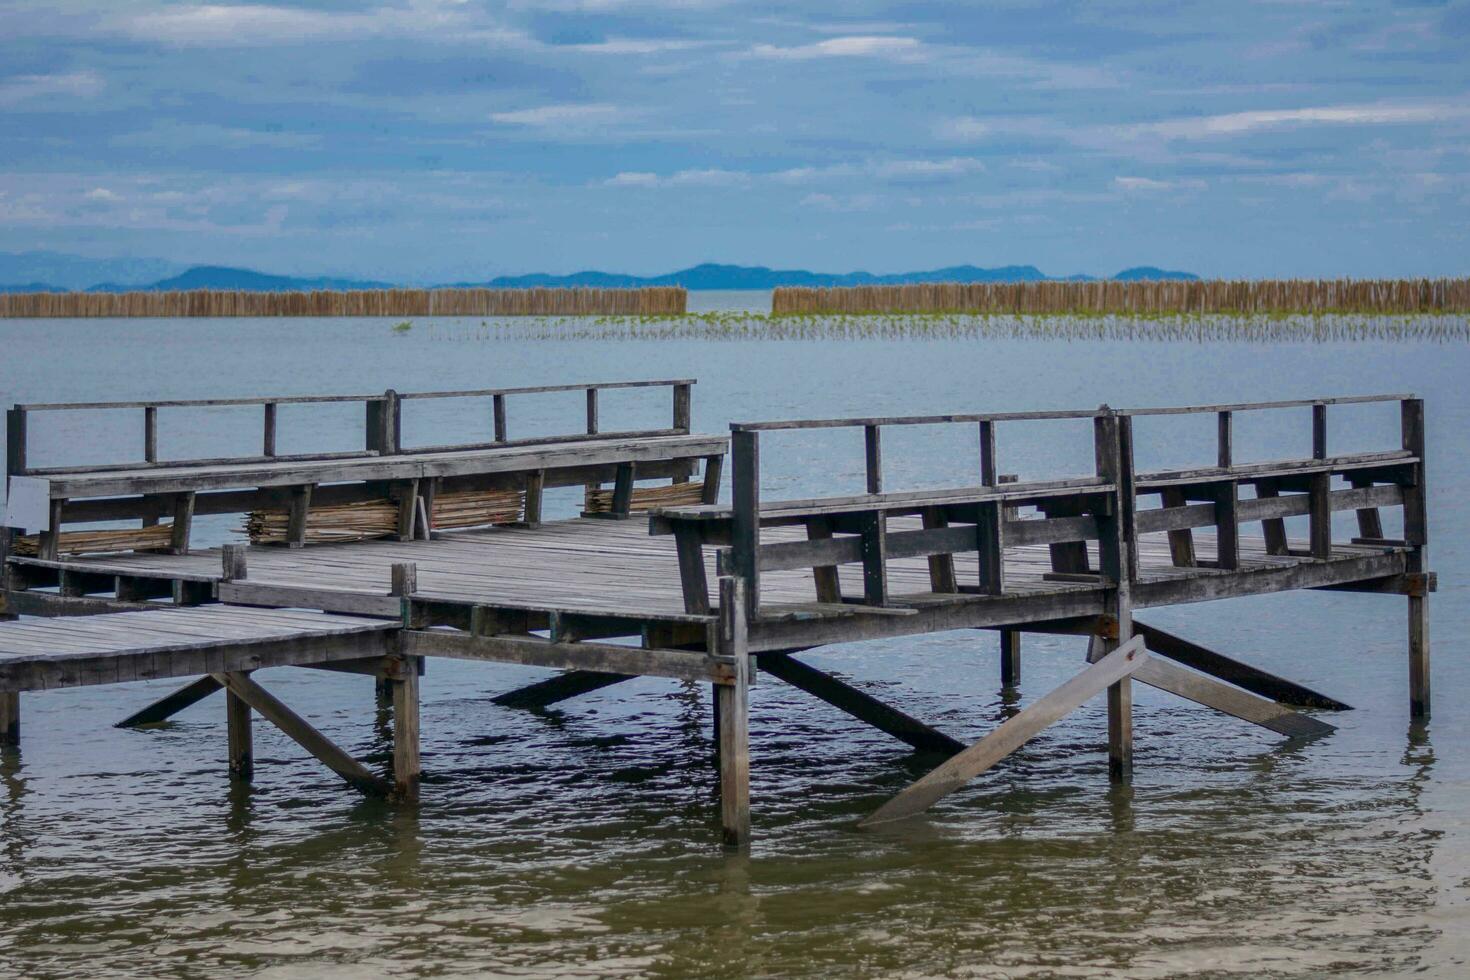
407 766
565 685
1012 734
941 566
733 715
825 578
1232 701
537 652
239 738
327 600
859 704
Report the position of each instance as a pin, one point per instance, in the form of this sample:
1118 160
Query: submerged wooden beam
860 705
1012 734
171 704
565 685
300 731
1227 669
9 717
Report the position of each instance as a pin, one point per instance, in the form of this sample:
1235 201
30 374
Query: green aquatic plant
403 326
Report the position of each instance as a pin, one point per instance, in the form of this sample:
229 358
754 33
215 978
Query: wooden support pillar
299 508
406 764
745 499
622 498
1416 536
1370 521
713 466
733 713
1227 525
991 548
150 434
1319 517
693 580
48 543
682 405
233 567
592 411
1419 656
268 430
535 489
1181 541
498 403
873 458
825 578
1274 529
9 717
241 741
1113 443
408 501
178 542
1010 658
875 557
941 567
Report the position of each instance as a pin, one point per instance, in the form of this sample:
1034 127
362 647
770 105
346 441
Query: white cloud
24 88
1240 123
562 115
103 195
1148 185
683 178
855 46
242 24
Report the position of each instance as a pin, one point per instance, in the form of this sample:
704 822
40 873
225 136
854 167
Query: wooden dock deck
665 581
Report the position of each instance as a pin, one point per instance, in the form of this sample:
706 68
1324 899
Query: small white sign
28 505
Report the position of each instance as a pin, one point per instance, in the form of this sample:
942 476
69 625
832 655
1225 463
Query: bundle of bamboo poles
356 302
155 538
599 501
473 508
327 524
1247 297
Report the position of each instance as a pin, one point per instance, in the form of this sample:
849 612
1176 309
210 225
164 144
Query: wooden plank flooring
597 565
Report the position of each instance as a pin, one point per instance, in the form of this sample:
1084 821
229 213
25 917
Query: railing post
499 409
873 457
681 407
15 442
1319 431
592 411
745 514
1113 441
1225 443
732 714
988 475
268 434
383 416
150 434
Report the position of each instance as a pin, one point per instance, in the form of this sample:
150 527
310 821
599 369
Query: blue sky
436 140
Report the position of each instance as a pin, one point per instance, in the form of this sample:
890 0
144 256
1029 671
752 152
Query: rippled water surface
581 841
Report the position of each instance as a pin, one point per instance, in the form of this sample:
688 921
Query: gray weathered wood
1240 674
1232 701
9 717
1010 657
302 733
1012 734
859 704
566 684
537 652
406 763
171 704
239 738
734 717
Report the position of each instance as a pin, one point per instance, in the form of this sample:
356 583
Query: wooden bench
410 479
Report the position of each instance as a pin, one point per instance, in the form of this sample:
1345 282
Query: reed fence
1248 297
651 301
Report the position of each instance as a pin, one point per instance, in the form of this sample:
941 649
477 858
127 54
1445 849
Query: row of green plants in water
748 325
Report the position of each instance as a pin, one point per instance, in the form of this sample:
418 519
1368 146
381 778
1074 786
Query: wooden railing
382 425
1073 513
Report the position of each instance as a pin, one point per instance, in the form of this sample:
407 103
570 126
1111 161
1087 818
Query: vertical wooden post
406 763
1416 536
535 490
681 407
874 526
150 434
404 583
241 740
1370 521
9 717
824 577
233 563
408 499
381 427
268 431
941 567
1113 441
1227 524
988 474
48 543
1010 657
745 497
299 508
1319 431
1225 440
622 497
178 542
498 403
990 529
15 441
1319 516
873 456
1181 541
733 713
592 411
1273 528
713 467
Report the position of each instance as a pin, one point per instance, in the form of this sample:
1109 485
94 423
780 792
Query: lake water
582 841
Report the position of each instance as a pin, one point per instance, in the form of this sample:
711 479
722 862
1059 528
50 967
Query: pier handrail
382 425
1189 498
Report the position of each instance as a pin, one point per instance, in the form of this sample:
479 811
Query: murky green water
582 841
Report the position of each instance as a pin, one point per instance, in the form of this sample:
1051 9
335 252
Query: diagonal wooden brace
860 705
324 749
171 704
1235 672
1194 686
1012 734
565 685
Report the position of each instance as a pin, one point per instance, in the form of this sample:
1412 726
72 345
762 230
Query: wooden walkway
698 591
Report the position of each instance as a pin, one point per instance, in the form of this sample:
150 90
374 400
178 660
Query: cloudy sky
432 139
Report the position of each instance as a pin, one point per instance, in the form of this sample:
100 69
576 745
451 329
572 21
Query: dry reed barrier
650 301
1142 298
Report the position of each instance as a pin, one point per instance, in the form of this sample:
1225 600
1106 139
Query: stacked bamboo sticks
1137 297
473 508
155 538
650 301
599 501
328 524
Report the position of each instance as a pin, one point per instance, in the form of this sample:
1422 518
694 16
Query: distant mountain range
54 272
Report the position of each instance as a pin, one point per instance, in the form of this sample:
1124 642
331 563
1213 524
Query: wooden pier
388 557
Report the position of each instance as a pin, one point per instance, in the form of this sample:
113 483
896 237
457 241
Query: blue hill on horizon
707 276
